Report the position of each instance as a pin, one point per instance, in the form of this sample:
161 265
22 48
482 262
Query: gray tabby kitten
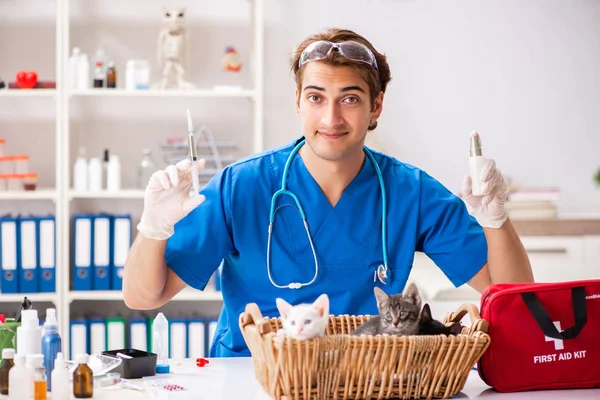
398 314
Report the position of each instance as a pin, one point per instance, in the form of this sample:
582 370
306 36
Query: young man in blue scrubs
341 81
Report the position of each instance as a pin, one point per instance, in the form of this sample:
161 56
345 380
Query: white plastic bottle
74 68
476 163
29 334
60 379
95 175
80 172
83 72
113 174
160 344
19 379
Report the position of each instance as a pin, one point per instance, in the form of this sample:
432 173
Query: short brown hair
376 79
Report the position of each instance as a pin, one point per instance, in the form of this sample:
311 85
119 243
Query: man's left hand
488 209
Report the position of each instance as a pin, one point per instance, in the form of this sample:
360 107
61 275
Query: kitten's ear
283 307
412 295
382 298
426 313
322 305
455 328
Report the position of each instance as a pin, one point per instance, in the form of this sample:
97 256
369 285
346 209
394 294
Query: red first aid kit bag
542 335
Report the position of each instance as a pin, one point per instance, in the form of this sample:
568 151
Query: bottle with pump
29 334
83 378
19 380
160 344
59 379
476 163
40 386
8 356
51 342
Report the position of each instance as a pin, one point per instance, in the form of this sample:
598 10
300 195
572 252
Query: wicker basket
341 366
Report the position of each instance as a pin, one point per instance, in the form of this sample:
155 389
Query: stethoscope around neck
380 273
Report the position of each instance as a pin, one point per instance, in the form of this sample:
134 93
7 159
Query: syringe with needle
193 154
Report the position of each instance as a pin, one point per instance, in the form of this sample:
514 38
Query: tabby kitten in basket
401 314
304 321
398 314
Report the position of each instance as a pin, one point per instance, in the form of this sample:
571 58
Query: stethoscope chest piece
381 273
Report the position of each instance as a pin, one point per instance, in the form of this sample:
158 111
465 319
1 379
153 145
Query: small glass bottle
99 75
83 378
7 356
40 386
147 168
111 76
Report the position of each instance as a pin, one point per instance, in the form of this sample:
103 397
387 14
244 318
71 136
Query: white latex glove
167 200
489 209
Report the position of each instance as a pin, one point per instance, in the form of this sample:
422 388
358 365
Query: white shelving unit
63 197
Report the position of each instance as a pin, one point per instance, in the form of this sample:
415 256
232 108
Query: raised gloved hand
489 209
167 200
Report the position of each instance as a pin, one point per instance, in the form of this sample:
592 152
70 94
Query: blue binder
27 261
101 251
9 238
83 235
121 242
46 233
79 337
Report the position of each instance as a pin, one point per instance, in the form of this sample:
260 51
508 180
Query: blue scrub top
232 226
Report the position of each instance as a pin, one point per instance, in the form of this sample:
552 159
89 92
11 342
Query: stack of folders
100 246
28 254
188 337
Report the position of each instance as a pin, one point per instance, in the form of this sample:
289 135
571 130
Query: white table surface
233 378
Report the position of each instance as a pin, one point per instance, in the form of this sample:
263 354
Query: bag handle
545 322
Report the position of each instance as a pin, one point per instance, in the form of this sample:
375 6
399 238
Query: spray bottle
29 334
51 342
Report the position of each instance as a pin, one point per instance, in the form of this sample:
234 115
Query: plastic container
3 182
80 172
113 174
30 181
29 334
59 379
51 342
2 142
7 165
160 343
95 175
19 380
14 182
21 163
135 363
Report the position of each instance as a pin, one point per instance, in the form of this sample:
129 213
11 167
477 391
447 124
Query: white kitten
304 321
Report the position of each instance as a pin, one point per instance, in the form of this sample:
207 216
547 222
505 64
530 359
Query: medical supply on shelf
83 378
113 174
111 76
14 182
7 165
51 342
8 356
30 180
2 143
476 163
137 75
146 169
21 163
95 174
80 172
160 338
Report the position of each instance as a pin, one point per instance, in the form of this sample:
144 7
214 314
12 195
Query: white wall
525 74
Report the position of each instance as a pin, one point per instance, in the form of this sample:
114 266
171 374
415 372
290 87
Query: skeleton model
172 42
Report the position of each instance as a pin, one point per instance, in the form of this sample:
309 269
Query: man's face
335 108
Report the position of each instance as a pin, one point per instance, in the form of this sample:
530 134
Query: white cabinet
553 259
